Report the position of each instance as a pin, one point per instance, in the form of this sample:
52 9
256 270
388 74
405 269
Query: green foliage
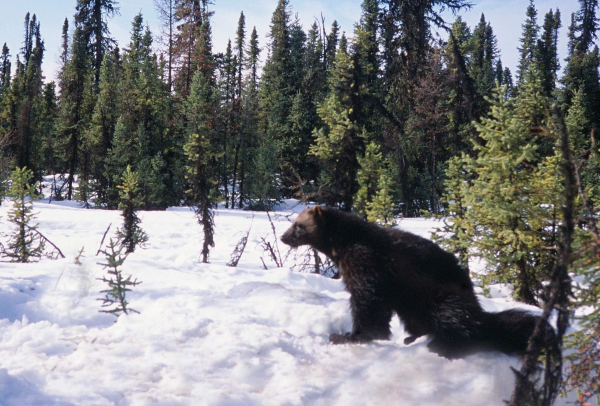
75 111
338 142
507 235
373 200
528 41
380 209
263 191
131 234
92 16
200 149
25 244
102 128
586 340
456 235
136 136
115 296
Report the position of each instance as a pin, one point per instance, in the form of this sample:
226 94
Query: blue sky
506 17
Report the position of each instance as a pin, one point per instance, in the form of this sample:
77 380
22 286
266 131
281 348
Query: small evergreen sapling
25 243
131 234
115 300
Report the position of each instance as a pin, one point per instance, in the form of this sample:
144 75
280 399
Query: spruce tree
484 55
64 53
189 17
237 105
373 199
28 106
380 210
338 142
456 235
229 118
115 298
131 234
365 55
139 135
508 233
548 61
102 128
331 46
5 71
48 118
586 23
250 119
75 110
166 15
91 17
201 151
25 244
528 41
277 91
583 61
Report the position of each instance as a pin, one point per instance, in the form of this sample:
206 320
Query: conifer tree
64 53
331 46
365 54
456 235
91 17
250 118
338 143
166 14
139 138
367 178
583 61
228 120
48 117
406 39
380 210
548 61
28 105
237 107
507 232
189 17
200 148
25 244
374 196
75 110
277 91
484 56
131 234
5 71
102 128
528 41
586 23
115 298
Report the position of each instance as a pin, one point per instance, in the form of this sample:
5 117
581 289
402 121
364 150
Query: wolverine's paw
340 338
446 350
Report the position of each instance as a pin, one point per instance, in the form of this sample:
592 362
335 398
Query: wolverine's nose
286 238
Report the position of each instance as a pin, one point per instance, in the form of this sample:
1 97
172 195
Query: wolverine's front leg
371 318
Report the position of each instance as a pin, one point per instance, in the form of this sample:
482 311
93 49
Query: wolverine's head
305 230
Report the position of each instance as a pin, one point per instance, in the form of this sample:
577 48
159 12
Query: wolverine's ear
318 212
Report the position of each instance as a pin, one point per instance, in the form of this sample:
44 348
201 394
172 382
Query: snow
209 334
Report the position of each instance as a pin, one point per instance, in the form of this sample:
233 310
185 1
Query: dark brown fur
391 271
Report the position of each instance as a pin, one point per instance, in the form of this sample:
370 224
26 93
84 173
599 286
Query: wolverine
387 271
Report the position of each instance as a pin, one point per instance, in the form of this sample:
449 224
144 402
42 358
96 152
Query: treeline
367 123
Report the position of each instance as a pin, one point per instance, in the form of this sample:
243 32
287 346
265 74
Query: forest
384 119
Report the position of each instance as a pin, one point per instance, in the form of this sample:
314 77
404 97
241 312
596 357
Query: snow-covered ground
209 334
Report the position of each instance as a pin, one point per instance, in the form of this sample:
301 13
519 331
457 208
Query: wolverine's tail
509 331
